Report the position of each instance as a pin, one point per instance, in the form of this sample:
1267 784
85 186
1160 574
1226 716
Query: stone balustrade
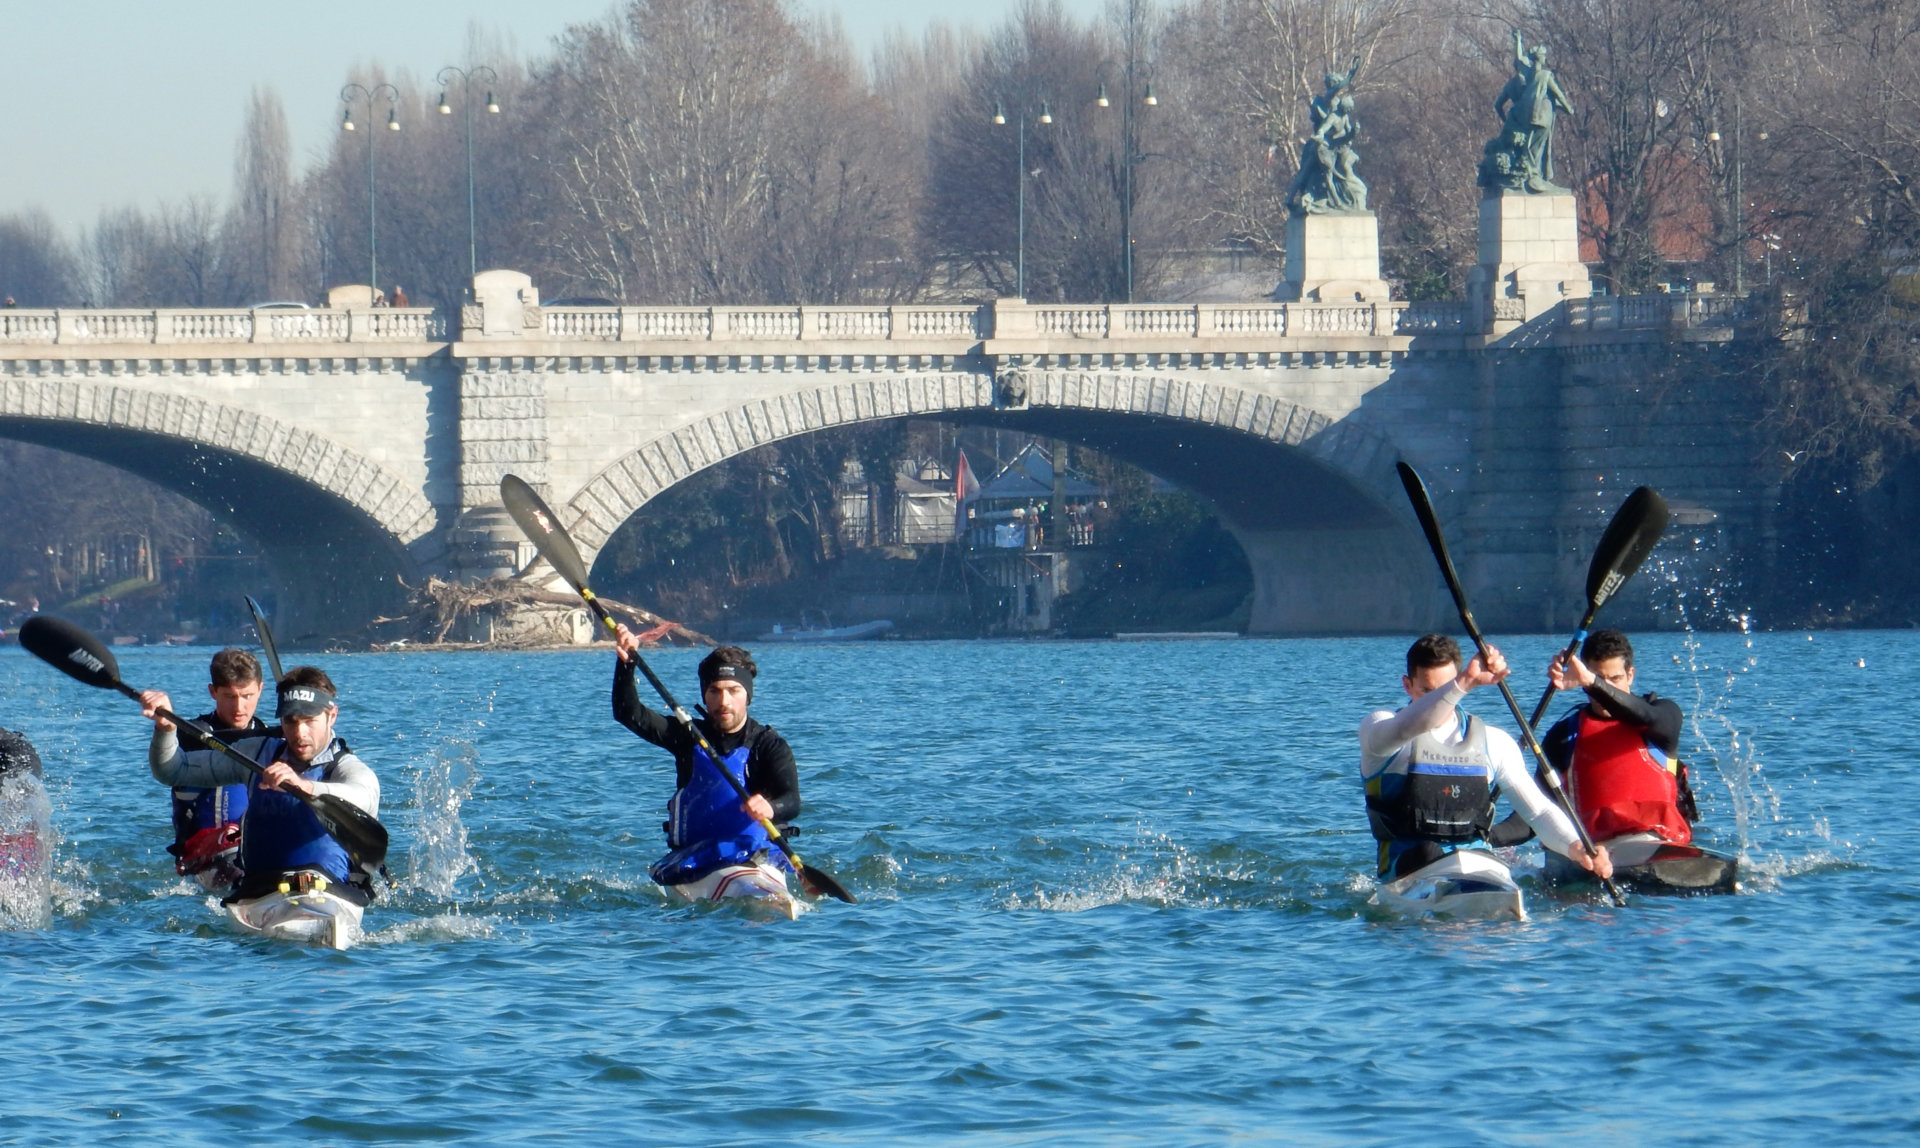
956 328
171 325
1655 312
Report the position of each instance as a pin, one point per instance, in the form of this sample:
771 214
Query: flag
965 489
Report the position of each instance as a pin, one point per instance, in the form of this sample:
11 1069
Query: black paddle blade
1436 541
358 832
542 528
266 638
71 650
821 883
1629 538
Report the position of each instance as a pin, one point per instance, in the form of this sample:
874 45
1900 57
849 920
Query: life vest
279 833
1431 791
206 825
1620 784
706 827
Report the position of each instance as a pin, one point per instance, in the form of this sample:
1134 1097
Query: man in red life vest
1618 750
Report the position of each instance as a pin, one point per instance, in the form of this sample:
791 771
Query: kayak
764 884
1646 864
1467 885
315 917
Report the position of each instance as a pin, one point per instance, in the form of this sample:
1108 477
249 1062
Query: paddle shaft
1573 647
1430 525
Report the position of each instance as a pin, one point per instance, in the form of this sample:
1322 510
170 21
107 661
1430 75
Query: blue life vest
706 828
197 810
280 833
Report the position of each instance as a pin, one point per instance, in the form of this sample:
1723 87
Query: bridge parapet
198 325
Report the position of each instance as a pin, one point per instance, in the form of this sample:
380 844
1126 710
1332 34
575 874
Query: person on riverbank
1617 750
206 822
1432 778
710 830
281 841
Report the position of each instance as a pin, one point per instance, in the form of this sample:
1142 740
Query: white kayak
765 884
311 918
1467 885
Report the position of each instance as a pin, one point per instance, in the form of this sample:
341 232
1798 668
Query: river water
1111 893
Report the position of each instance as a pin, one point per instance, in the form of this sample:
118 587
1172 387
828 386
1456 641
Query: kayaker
19 852
206 822
1431 780
708 827
1618 751
281 841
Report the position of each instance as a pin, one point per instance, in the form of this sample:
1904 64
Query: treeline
694 151
730 151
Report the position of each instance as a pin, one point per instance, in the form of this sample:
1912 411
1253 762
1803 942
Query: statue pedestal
1529 259
1333 259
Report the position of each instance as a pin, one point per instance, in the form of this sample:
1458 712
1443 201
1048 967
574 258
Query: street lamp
1020 180
392 95
466 77
1130 148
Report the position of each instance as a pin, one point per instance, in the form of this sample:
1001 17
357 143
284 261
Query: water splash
437 857
1166 874
27 843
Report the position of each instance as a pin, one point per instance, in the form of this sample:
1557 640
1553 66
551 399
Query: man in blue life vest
708 827
281 841
1618 750
1431 778
206 822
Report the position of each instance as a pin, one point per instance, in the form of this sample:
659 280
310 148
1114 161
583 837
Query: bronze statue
1328 181
1520 158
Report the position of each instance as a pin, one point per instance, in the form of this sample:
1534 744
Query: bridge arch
1314 499
336 528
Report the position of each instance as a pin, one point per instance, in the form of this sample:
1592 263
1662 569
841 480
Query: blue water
1111 893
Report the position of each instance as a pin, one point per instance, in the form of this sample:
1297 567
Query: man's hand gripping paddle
543 529
1629 538
78 654
1430 525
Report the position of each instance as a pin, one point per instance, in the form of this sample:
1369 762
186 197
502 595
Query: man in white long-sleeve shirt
1431 779
281 841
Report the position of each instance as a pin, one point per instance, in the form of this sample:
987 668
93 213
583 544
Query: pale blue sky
111 103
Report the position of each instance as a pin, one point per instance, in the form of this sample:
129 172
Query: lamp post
392 95
1020 181
466 77
1129 136
1130 147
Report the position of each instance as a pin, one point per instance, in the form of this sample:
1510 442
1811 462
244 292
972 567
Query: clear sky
111 103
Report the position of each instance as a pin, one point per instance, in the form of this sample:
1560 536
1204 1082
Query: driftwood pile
511 614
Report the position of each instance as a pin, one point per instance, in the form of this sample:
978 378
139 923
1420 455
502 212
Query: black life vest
1435 792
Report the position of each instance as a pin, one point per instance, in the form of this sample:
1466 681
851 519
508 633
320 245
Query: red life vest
1622 785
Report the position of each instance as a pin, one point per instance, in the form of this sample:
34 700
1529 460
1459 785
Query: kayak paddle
543 529
78 654
1430 525
1628 539
266 639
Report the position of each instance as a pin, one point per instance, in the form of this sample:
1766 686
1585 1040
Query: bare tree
37 267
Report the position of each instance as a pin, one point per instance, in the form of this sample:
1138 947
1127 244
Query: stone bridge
359 446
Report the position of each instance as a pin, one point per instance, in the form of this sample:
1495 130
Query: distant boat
858 633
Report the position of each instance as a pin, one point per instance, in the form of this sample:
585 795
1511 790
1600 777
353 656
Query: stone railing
953 328
164 326
1655 312
770 324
